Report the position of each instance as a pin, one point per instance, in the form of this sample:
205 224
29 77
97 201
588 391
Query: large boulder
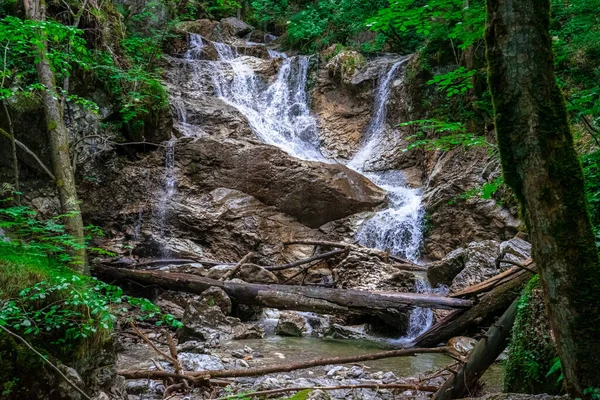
478 261
291 324
234 27
443 272
313 192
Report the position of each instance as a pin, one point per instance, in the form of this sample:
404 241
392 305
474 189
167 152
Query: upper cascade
277 110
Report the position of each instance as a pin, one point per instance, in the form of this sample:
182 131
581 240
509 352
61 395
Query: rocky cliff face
225 188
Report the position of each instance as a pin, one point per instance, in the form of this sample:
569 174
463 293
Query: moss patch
532 349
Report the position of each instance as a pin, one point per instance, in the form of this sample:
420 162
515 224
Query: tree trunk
484 354
58 138
388 307
541 167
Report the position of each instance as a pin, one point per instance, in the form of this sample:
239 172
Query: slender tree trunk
58 137
542 168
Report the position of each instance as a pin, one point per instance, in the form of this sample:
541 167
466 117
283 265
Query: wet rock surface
313 192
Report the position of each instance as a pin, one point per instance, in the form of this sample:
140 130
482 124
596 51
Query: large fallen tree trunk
387 306
486 351
491 304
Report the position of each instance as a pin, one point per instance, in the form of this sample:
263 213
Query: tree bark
541 167
388 307
484 354
58 138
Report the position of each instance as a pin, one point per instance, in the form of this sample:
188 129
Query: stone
215 296
356 372
389 377
462 344
345 64
204 27
291 324
234 27
250 273
480 264
247 331
367 272
239 353
311 191
456 221
444 271
356 332
199 362
192 346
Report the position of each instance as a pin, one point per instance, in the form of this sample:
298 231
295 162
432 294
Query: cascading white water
279 114
195 47
169 187
399 227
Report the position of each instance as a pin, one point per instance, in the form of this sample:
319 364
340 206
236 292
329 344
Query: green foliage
592 392
454 82
556 368
591 173
485 191
576 34
22 40
42 297
316 25
412 22
454 135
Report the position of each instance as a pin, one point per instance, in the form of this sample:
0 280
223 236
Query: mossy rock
532 350
345 64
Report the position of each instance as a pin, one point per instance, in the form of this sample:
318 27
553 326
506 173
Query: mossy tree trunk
58 138
541 166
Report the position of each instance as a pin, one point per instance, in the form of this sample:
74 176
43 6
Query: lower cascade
279 114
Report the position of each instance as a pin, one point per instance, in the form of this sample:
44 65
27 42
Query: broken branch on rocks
294 264
401 386
230 274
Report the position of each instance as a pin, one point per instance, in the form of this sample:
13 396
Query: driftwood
374 386
230 274
321 300
306 260
486 351
493 303
238 373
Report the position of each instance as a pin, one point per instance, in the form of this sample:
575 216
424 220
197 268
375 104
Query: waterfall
279 114
169 187
196 47
399 227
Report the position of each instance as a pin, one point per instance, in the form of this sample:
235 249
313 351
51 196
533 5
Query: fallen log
489 284
493 303
388 307
375 386
486 351
239 373
306 260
